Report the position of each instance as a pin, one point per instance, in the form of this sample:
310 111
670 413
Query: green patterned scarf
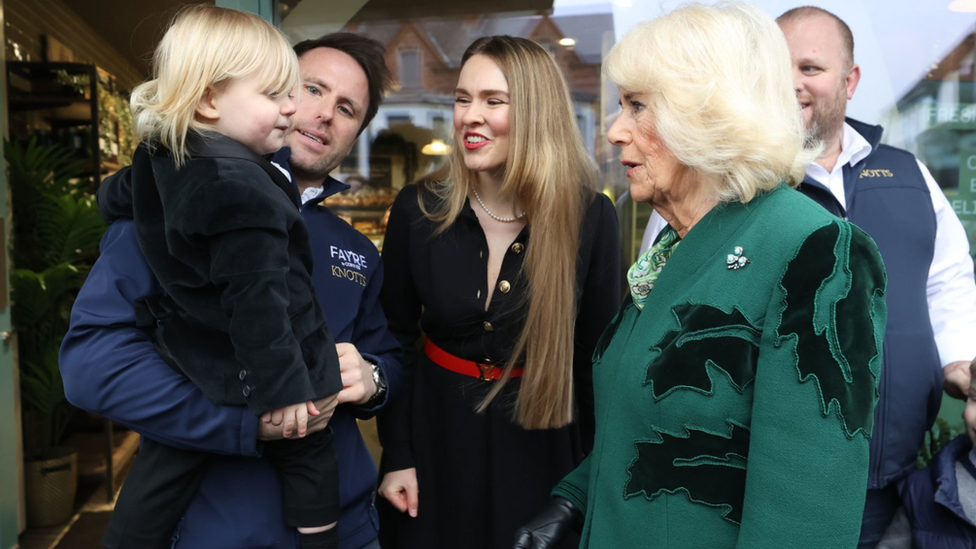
642 275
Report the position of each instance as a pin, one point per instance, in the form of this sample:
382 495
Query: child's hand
323 409
291 418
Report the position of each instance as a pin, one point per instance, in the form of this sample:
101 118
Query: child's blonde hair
206 47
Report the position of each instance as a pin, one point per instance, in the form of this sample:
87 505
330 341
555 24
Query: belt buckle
484 370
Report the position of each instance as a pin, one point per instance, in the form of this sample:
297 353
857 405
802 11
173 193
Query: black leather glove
549 526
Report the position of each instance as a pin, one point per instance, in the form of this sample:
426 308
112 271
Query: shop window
409 68
440 126
917 62
396 120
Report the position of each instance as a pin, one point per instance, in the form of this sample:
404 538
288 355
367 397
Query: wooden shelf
59 97
17 104
91 452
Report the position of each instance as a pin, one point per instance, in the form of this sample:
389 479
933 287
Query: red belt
484 372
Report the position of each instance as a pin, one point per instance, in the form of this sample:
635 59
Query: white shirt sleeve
951 290
654 226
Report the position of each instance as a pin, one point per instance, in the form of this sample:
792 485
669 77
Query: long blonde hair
548 170
205 48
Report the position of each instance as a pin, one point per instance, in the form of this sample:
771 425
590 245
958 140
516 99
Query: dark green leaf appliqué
707 335
608 334
829 310
709 467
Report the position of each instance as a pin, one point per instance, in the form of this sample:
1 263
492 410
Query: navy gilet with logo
887 197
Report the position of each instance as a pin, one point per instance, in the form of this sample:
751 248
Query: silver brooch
736 260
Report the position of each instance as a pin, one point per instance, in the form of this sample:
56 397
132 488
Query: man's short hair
369 54
804 12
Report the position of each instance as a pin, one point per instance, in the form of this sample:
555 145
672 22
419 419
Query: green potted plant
56 231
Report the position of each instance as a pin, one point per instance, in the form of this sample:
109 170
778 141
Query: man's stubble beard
313 169
316 170
827 122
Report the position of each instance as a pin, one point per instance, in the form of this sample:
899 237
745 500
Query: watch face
378 378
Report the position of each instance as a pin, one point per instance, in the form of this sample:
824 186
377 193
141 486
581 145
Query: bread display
367 196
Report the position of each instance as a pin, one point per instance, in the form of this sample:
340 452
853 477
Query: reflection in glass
917 64
937 116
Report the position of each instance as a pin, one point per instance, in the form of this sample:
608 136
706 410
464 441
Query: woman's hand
549 526
400 489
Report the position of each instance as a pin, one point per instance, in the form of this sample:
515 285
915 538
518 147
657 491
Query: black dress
480 476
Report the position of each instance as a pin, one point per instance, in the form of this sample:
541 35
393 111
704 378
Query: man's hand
969 413
325 407
957 376
357 375
400 489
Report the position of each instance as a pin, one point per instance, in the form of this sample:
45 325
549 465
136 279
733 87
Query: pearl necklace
491 214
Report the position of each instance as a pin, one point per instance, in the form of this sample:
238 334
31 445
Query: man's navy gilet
888 198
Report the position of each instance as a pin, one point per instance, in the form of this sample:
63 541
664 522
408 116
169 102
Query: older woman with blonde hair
735 391
509 268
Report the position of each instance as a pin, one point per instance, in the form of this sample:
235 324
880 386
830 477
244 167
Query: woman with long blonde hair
509 267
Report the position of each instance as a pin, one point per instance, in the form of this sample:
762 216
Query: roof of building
452 36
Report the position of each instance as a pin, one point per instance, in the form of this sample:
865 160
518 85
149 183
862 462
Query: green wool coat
735 410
